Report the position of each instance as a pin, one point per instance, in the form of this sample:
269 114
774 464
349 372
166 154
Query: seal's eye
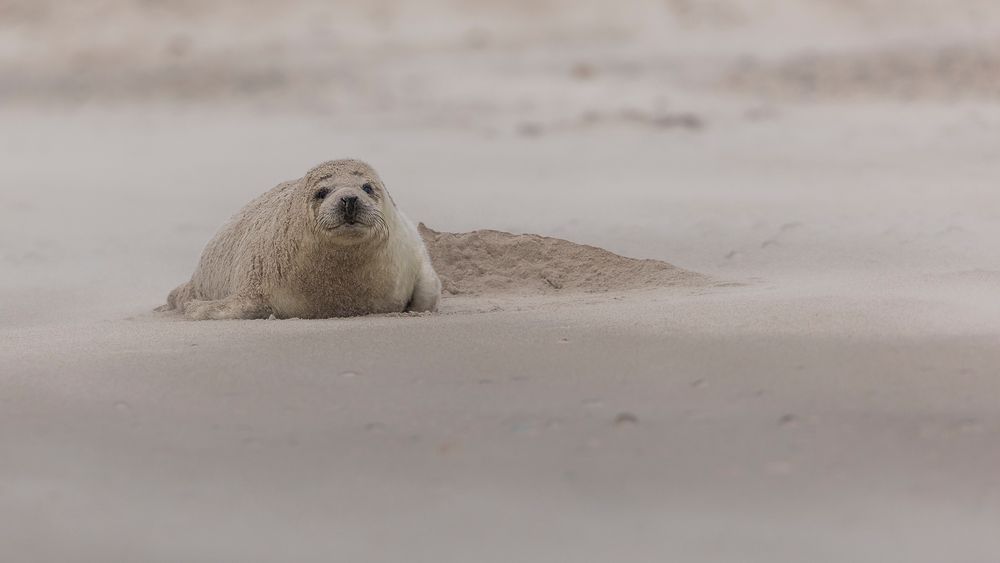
321 193
368 189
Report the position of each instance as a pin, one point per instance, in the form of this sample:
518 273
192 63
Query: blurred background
480 63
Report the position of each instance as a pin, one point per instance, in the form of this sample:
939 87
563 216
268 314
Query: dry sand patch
495 262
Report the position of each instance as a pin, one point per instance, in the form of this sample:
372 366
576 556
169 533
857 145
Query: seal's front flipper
235 307
426 292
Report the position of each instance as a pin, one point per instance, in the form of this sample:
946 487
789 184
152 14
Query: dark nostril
349 204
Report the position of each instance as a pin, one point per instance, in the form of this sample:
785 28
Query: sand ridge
496 262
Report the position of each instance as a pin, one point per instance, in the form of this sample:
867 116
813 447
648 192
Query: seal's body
331 244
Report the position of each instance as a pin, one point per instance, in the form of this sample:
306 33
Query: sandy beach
815 378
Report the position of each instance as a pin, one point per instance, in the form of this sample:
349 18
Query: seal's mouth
343 226
366 223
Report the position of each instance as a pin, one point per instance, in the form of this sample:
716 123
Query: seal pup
330 244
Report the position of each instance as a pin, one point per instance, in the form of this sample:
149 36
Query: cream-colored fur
291 253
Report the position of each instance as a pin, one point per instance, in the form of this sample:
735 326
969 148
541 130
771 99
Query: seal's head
348 201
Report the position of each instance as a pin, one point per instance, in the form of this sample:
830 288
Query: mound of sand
483 262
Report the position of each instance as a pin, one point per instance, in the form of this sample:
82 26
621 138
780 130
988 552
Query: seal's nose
349 208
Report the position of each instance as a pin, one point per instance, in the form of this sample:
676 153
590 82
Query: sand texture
490 262
788 352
